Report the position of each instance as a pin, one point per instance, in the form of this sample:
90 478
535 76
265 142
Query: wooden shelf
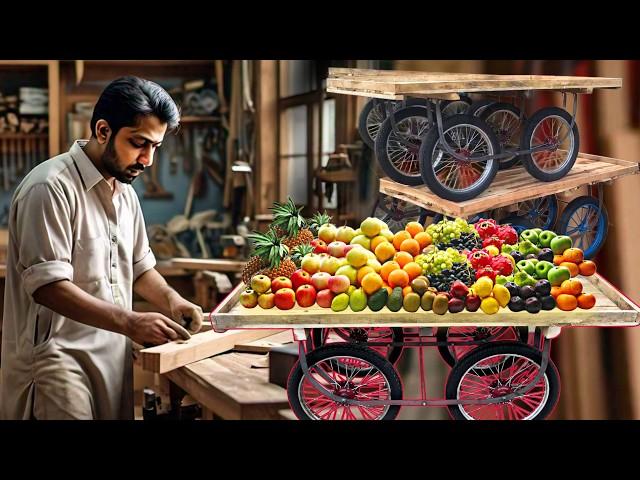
612 309
514 185
23 136
337 176
395 84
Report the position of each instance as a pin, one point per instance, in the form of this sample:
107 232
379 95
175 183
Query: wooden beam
164 358
267 165
216 265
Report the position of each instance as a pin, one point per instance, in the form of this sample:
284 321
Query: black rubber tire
447 356
431 141
505 163
525 144
362 121
381 146
601 236
395 214
448 103
478 107
364 353
498 348
393 354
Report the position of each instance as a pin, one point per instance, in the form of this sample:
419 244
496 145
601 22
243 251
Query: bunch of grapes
445 231
459 271
467 240
436 260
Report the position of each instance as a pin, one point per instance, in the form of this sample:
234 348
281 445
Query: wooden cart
429 131
503 369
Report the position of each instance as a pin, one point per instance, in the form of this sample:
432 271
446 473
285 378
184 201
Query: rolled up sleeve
44 236
143 257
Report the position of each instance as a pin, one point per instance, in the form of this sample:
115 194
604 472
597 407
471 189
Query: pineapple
271 257
299 252
317 221
288 223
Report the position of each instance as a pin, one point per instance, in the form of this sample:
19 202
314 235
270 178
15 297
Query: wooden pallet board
395 84
514 185
612 309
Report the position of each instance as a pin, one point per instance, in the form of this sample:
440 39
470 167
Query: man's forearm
67 299
154 289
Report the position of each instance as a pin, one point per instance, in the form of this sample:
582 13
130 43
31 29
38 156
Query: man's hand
182 311
154 328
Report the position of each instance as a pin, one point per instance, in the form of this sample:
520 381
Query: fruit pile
449 267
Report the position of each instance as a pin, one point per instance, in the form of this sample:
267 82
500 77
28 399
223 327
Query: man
77 249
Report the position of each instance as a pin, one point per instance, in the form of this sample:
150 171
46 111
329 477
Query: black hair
126 99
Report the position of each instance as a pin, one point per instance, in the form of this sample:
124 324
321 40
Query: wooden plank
615 311
265 344
228 387
208 264
164 358
514 185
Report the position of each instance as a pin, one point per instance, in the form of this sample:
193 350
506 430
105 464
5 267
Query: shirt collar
88 171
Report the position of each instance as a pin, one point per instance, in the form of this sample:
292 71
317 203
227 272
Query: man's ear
103 131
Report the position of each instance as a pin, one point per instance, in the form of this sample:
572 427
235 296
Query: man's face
133 148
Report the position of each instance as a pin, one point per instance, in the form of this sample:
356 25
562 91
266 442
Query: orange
400 237
566 302
406 290
362 272
403 258
384 251
573 268
398 278
414 228
387 268
586 301
413 270
411 246
371 282
587 268
574 255
571 287
558 259
424 239
555 291
375 241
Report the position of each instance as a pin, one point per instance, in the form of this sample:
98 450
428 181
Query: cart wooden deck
514 185
396 84
612 309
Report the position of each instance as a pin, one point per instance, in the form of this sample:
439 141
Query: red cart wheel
324 336
514 366
452 353
341 363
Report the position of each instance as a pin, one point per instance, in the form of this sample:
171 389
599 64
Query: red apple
267 300
280 282
339 283
348 248
320 280
300 277
336 249
306 295
285 298
319 246
324 298
249 298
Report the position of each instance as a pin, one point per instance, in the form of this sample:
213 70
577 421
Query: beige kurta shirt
66 222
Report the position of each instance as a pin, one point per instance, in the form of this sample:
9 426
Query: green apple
526 266
557 275
526 247
545 238
542 269
537 230
560 243
522 278
530 235
501 280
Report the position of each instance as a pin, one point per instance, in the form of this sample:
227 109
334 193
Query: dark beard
109 161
